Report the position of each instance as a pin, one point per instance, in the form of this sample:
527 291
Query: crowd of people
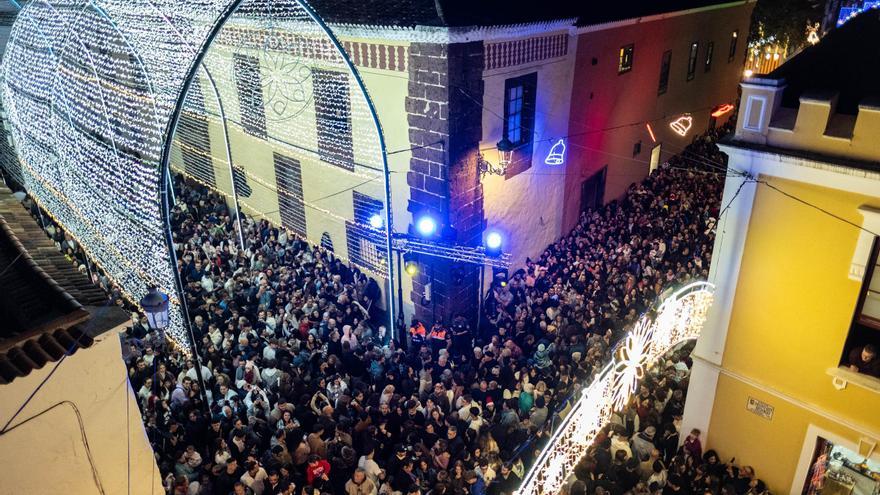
306 392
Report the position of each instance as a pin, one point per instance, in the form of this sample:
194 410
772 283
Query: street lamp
155 305
505 154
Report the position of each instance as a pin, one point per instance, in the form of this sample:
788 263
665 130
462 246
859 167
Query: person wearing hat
643 443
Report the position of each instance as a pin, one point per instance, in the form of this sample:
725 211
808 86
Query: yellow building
794 258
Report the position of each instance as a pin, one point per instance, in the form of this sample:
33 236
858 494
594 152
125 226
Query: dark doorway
593 190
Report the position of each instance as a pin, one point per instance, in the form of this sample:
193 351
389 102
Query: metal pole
480 299
182 296
401 336
228 155
389 222
433 299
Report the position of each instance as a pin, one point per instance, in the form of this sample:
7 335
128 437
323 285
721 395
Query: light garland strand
103 78
680 317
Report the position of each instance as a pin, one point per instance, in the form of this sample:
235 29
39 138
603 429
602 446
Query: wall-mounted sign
760 408
682 125
557 154
721 110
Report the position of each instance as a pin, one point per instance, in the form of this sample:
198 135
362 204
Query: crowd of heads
306 392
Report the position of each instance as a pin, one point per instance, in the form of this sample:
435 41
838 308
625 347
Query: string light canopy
680 317
107 84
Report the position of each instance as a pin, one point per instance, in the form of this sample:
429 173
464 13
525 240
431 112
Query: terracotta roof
47 307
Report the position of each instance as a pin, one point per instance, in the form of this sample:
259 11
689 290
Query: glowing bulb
493 240
426 226
411 268
376 221
748 72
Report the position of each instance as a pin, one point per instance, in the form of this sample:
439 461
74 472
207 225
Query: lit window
864 334
710 50
732 53
519 111
626 59
692 60
665 64
519 119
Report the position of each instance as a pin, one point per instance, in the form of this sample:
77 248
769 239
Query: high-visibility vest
417 330
438 333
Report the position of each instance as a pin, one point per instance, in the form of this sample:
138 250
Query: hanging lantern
505 155
155 305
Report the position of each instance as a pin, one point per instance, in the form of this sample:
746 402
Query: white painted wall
47 454
527 208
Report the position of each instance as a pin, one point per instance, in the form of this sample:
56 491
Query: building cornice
448 35
591 28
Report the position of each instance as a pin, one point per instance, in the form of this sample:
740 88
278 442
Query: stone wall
444 117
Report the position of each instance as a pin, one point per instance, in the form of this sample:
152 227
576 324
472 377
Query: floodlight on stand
493 243
426 226
376 221
155 305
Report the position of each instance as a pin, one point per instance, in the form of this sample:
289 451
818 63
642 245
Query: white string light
103 79
680 317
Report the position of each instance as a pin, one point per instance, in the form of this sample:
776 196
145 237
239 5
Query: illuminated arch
680 317
94 91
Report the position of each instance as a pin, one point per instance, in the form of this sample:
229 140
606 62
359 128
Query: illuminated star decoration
630 363
557 154
680 317
682 125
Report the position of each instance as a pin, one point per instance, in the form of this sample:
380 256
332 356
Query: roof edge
443 34
601 26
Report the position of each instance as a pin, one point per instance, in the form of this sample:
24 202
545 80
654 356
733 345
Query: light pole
155 304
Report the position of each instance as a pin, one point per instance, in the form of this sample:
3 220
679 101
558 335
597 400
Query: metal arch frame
174 120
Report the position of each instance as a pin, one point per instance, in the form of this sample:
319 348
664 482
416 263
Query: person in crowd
308 392
864 359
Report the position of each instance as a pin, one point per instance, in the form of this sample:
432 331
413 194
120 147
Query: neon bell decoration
682 125
557 154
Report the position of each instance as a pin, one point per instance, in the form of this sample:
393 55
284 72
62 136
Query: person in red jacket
317 469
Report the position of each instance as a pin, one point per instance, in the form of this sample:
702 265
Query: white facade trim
871 224
806 457
794 401
658 17
727 257
730 239
446 35
750 108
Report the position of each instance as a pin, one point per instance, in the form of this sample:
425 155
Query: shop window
626 58
836 469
